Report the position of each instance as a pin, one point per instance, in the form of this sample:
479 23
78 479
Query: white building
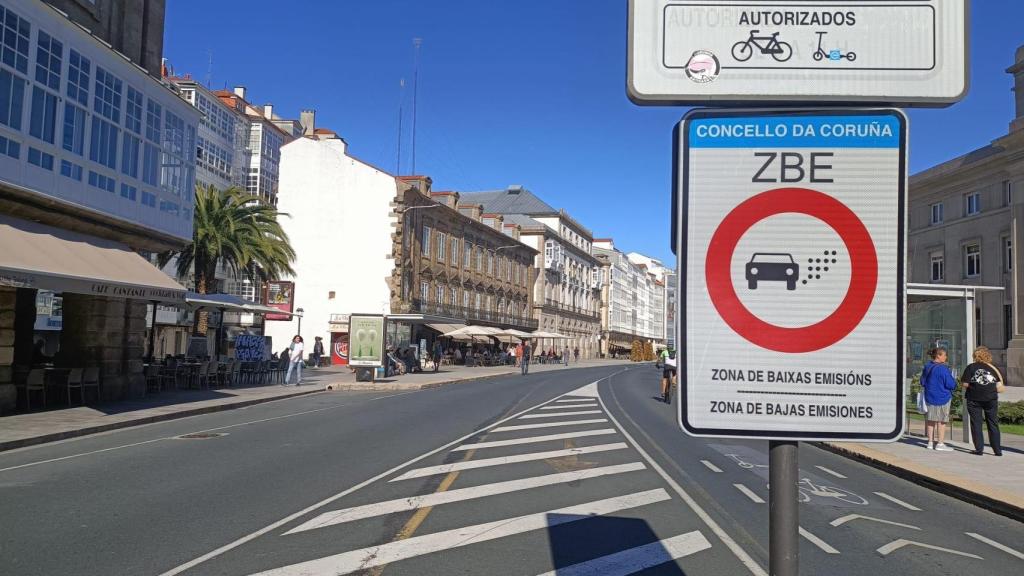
220 147
633 303
662 309
340 225
262 141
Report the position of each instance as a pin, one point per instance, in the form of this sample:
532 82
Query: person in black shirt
983 383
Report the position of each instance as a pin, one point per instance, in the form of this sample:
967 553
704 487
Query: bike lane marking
896 500
749 493
824 546
830 471
995 544
843 520
711 466
900 543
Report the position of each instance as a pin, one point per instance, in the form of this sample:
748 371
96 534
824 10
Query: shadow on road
581 539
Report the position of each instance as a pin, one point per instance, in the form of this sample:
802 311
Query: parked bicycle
768 45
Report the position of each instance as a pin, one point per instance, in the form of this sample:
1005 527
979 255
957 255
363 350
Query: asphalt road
574 472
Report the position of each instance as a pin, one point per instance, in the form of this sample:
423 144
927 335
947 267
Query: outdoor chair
36 383
91 379
152 375
75 381
169 373
203 375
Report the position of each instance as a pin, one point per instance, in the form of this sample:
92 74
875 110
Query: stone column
1015 349
8 393
108 333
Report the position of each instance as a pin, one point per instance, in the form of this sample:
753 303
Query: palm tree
237 229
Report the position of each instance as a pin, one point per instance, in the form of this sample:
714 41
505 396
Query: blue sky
527 92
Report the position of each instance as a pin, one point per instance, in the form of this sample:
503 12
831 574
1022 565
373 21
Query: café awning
229 302
43 257
445 328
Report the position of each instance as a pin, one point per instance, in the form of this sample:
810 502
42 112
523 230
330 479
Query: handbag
922 406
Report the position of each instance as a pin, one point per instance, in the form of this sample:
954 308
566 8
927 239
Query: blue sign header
860 131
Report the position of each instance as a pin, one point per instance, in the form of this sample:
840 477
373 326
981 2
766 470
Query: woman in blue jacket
938 383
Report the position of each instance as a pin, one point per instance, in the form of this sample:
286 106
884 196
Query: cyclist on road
668 375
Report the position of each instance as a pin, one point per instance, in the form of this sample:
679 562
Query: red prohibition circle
863 270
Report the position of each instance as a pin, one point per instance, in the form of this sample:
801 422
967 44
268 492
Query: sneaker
931 445
940 447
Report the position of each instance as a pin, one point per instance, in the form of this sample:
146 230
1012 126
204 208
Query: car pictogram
772 266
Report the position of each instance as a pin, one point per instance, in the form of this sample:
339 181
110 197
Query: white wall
341 230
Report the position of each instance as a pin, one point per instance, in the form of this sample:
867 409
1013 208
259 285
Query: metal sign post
783 509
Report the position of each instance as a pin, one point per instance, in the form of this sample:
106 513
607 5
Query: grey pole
783 511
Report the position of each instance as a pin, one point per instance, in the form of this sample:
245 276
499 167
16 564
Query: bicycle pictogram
768 45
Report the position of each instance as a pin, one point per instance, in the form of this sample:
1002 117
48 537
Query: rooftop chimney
307 119
515 189
268 111
240 92
1018 89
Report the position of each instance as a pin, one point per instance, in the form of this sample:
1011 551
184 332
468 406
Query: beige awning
444 328
43 257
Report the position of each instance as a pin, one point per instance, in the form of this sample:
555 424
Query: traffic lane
176 497
461 490
718 466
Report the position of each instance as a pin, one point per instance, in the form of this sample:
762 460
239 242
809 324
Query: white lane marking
291 517
896 500
711 466
533 439
640 558
817 541
830 471
749 493
549 425
364 558
722 535
845 519
995 544
590 390
471 464
897 544
127 428
554 414
437 498
573 400
569 406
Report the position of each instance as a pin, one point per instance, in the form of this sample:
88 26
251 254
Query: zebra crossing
582 500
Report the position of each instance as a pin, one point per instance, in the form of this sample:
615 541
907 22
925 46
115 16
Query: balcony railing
472 314
578 310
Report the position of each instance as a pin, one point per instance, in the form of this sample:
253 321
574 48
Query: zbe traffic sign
792 249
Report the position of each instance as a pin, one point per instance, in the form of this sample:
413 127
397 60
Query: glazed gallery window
467 255
442 243
107 99
12 99
424 291
440 294
103 145
455 253
43 123
972 260
49 53
78 78
938 266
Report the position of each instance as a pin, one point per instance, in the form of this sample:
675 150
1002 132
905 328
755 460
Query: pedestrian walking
524 365
565 355
294 361
576 354
318 351
519 354
938 384
438 351
983 383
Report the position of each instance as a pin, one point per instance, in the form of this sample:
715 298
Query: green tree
240 231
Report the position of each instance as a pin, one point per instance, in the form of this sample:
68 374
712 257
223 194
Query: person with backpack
938 384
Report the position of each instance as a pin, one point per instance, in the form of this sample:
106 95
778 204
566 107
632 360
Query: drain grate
201 435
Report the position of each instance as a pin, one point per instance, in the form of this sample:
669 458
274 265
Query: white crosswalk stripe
501 461
640 558
555 414
571 400
548 425
567 406
534 439
437 498
370 557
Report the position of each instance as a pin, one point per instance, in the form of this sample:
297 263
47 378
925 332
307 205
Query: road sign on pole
905 52
792 250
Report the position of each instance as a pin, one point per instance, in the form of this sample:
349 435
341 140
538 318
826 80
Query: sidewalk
22 430
988 481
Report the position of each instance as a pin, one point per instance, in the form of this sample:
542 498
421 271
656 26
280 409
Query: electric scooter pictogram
834 54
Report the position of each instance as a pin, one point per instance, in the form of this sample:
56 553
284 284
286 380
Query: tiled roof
514 201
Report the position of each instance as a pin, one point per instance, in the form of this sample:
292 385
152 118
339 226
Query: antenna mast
416 42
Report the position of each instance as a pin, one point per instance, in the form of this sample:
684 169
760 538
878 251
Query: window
148 199
44 115
442 244
133 111
424 291
49 53
331 295
425 242
40 158
107 99
100 181
938 266
972 260
1007 253
1007 193
455 253
130 156
170 207
480 258
465 299
78 78
71 170
103 145
455 296
151 165
10 148
972 203
129 192
476 305
440 294
1007 324
74 129
14 35
153 124
490 263
12 98
936 210
977 325
467 255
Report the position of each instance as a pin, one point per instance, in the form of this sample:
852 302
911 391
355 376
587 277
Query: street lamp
299 312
